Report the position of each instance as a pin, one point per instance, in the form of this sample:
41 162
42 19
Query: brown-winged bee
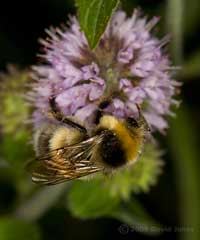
68 150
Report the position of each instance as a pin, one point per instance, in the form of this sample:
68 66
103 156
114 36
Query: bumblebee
68 150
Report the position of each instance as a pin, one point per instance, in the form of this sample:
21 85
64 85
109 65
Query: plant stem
40 202
185 159
174 19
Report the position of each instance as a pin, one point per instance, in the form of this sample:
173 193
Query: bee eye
132 122
104 104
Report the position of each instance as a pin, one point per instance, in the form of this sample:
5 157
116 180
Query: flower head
14 84
128 64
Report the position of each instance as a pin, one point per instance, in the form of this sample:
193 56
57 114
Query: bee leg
142 119
60 116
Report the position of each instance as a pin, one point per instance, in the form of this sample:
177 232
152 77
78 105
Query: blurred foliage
119 186
184 148
105 193
98 202
134 214
191 16
174 15
34 206
16 151
96 198
14 108
191 68
11 229
15 112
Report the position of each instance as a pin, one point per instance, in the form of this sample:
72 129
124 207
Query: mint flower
128 64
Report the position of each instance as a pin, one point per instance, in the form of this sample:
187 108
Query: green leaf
91 199
94 16
13 229
102 194
134 214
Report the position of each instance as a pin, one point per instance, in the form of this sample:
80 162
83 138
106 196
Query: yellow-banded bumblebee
68 150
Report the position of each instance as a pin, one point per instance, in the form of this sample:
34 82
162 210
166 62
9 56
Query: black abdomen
111 150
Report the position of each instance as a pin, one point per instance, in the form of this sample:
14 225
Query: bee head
139 123
132 122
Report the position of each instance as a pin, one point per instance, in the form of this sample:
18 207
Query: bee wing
67 163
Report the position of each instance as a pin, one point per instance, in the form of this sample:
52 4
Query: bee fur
67 150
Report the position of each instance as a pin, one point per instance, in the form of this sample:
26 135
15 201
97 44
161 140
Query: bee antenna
139 109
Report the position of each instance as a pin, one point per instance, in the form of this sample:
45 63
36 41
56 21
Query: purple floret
128 61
